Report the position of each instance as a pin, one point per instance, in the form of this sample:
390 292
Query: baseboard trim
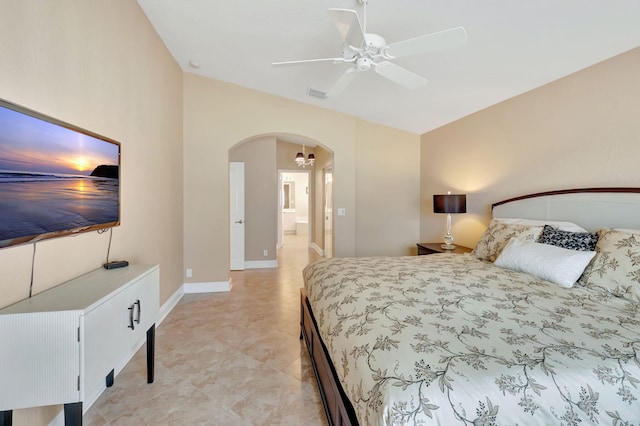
170 304
317 248
207 287
165 309
259 264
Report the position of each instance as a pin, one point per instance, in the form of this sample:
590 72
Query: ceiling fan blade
342 83
349 26
400 75
447 39
307 61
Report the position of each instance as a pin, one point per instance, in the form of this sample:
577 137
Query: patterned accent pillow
616 267
581 241
496 237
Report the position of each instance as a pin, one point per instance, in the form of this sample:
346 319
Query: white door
236 215
280 208
328 212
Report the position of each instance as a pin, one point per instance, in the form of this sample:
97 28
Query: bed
539 325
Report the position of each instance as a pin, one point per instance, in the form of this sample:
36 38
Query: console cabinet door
114 330
144 298
39 359
103 333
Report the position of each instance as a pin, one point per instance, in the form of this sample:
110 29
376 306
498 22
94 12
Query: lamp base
448 246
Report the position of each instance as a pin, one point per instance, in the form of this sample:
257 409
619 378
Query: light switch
342 211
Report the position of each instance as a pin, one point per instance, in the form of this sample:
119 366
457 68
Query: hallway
226 358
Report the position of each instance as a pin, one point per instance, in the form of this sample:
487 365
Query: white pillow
556 264
565 226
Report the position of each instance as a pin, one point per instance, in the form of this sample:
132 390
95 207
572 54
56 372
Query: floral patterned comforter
448 339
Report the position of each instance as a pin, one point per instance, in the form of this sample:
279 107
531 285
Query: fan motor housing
363 64
374 43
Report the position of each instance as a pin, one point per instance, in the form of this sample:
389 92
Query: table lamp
449 203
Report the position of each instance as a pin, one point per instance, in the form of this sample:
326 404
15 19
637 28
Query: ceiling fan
367 50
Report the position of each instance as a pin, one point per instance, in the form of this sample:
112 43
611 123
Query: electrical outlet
189 272
266 253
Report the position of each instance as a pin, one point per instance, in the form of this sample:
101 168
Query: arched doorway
263 156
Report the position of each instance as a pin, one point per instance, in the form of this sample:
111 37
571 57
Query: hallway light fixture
300 160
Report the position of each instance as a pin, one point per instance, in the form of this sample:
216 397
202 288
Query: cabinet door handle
138 318
131 326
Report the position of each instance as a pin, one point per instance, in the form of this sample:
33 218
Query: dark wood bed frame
337 406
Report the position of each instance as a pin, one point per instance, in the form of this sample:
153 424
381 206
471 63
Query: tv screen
55 179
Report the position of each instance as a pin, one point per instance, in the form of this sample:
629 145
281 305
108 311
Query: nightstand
431 248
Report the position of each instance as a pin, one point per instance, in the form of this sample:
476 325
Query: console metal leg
6 418
151 348
110 379
73 414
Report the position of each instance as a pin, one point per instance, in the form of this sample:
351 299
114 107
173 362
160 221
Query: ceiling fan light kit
367 50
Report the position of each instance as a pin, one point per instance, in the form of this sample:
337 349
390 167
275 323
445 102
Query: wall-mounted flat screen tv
56 179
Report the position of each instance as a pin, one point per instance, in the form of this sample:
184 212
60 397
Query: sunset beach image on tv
55 179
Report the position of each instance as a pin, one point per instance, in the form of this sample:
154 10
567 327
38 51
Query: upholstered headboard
591 208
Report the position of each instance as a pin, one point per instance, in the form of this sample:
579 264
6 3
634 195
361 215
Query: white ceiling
514 46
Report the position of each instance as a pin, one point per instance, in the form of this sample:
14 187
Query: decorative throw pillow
616 266
496 237
582 241
551 263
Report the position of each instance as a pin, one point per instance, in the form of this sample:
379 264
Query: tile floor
225 358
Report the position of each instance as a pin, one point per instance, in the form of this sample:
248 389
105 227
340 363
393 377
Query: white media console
65 345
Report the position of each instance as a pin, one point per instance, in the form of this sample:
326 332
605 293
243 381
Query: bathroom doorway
294 201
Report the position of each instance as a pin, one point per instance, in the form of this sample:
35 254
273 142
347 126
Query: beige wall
387 192
100 66
261 196
218 115
580 131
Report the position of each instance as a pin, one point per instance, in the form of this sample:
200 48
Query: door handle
131 326
137 320
239 221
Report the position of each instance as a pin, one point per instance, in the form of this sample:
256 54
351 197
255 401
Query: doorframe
328 169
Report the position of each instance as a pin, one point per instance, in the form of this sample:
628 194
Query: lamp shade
450 203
